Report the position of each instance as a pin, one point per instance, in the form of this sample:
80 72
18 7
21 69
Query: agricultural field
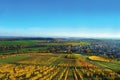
17 42
98 58
104 62
79 43
58 59
49 66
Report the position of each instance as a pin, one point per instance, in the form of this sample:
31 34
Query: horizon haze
60 18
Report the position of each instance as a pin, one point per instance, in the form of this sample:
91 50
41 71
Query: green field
105 63
17 42
110 65
78 43
14 58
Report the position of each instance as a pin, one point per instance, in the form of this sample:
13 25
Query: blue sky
60 18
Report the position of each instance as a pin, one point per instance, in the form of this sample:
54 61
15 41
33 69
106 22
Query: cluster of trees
109 48
16 48
30 48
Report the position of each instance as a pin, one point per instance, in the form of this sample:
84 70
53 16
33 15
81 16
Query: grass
75 56
17 42
79 43
70 75
57 61
12 59
110 65
24 50
105 63
35 49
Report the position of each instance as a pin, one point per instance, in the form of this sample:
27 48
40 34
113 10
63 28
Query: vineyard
50 66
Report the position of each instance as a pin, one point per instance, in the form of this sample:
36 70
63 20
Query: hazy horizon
60 18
